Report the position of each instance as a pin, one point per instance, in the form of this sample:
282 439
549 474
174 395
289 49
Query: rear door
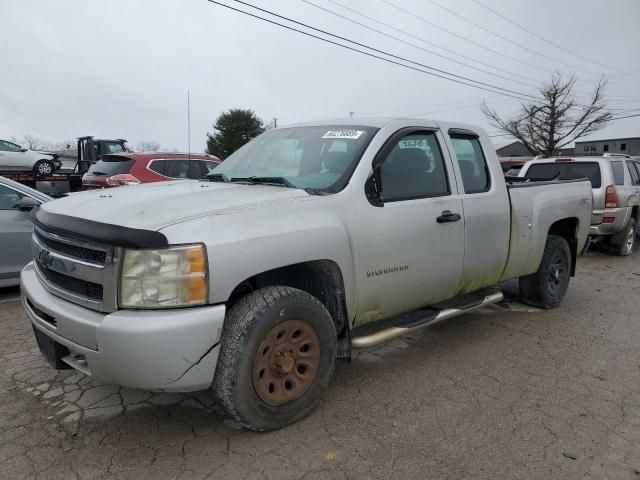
486 211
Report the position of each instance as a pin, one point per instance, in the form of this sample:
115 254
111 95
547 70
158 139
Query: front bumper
168 350
598 228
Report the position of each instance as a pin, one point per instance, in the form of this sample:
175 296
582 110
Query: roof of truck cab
379 122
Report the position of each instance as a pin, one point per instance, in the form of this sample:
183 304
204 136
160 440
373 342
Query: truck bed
535 206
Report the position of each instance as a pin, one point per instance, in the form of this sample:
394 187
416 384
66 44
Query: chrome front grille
76 270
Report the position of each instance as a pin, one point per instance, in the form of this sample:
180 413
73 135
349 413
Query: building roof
501 145
608 140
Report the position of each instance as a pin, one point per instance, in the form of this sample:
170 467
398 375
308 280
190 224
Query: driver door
410 247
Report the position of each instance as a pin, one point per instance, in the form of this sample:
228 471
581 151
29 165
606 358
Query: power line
382 51
428 42
544 38
476 84
626 116
309 2
421 107
502 37
497 52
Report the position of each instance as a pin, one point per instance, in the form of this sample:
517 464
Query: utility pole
188 125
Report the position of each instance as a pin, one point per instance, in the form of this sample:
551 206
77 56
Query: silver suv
615 180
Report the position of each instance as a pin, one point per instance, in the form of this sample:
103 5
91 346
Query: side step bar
386 334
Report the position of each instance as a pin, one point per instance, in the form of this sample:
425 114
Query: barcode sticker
351 134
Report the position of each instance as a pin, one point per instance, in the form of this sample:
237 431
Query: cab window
414 168
473 164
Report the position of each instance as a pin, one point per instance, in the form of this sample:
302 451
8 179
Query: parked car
14 158
134 168
307 242
16 201
615 182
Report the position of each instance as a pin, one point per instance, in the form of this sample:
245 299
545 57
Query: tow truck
90 150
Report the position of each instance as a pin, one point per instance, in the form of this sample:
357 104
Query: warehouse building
512 149
628 146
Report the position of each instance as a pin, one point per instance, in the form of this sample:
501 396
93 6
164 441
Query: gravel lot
507 392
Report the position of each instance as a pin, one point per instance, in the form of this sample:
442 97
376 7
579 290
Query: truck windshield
320 158
566 171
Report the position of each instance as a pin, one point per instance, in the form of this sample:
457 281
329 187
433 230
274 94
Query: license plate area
51 350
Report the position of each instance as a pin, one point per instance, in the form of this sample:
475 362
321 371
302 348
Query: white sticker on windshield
351 134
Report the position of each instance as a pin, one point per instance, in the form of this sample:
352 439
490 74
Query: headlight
171 277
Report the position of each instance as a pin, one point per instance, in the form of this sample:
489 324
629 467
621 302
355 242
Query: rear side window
618 173
635 178
196 170
109 166
473 165
177 168
566 171
157 166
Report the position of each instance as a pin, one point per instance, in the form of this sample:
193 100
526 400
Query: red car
131 168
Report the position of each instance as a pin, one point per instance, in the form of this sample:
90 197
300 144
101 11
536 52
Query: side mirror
373 187
24 150
27 203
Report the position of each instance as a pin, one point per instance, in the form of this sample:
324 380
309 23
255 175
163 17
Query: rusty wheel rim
286 362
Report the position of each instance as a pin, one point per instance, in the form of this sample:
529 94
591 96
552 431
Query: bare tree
557 119
34 143
147 146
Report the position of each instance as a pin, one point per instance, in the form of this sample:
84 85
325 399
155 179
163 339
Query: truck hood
153 206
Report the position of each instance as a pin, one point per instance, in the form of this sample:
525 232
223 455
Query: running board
385 334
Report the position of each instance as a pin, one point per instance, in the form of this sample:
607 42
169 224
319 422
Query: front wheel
43 167
277 355
546 287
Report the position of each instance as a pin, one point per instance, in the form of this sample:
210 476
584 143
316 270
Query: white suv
17 159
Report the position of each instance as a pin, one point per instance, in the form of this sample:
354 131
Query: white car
17 159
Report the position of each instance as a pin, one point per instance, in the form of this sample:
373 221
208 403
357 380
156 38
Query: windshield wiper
217 177
97 173
279 181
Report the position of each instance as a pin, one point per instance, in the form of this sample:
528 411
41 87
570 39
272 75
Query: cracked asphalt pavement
505 392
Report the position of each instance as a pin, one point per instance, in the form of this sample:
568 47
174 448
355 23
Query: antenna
188 126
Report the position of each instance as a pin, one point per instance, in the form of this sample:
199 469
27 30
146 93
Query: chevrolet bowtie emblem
45 259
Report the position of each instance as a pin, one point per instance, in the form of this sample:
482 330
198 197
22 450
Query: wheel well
320 278
634 212
567 228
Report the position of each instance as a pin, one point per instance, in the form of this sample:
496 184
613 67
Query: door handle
448 216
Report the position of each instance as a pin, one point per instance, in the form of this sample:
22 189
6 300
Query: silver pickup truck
307 242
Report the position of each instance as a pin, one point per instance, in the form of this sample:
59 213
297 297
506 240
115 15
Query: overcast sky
121 68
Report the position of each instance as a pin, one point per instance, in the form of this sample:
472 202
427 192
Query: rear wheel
624 242
546 287
43 167
277 355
